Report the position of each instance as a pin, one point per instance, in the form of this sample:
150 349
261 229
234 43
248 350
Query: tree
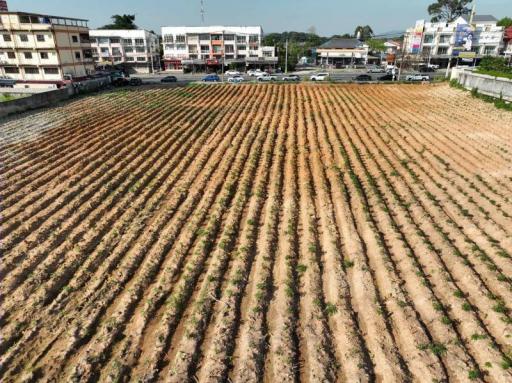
448 10
363 32
121 22
376 45
505 22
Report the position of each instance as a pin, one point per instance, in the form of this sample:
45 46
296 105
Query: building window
181 47
127 41
88 53
181 38
140 49
32 70
28 55
229 37
230 49
103 40
267 54
40 38
44 55
241 39
23 38
25 19
104 50
128 49
51 71
254 38
442 50
168 38
141 59
204 37
93 40
489 50
242 47
139 41
11 55
85 38
216 37
114 40
11 70
205 49
7 38
130 59
428 39
78 56
116 52
192 48
217 49
74 39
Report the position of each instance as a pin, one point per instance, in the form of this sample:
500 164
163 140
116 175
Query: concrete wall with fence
52 97
488 85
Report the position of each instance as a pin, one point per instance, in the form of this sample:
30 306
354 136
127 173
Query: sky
328 17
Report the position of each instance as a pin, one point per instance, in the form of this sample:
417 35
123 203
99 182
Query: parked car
363 77
169 79
266 77
7 82
236 79
291 77
386 77
433 66
211 78
417 77
119 80
376 69
320 77
255 72
232 73
391 67
426 69
135 81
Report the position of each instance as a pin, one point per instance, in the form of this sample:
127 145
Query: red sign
3 6
212 62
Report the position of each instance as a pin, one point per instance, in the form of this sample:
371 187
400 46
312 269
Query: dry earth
276 233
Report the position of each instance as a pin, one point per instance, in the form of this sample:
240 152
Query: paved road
341 76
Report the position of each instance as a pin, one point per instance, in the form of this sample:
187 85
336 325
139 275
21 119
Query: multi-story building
136 51
44 51
340 52
508 42
3 6
208 47
438 42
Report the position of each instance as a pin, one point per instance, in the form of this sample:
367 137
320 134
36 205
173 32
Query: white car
232 73
255 73
266 77
376 69
417 77
319 77
236 79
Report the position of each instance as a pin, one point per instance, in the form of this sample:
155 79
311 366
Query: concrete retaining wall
51 97
488 85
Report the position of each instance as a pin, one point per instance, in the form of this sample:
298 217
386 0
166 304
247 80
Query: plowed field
275 233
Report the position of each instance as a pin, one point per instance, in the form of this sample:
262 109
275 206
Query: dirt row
258 233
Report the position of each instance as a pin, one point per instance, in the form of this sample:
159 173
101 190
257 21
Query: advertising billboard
463 39
417 37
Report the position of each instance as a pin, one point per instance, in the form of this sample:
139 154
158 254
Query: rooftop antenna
202 12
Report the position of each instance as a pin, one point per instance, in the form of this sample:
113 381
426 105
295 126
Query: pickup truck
266 77
417 77
320 77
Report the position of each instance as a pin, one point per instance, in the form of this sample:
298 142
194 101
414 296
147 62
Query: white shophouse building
42 51
135 50
209 46
436 41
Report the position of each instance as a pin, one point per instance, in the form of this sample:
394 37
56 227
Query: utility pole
286 57
202 12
